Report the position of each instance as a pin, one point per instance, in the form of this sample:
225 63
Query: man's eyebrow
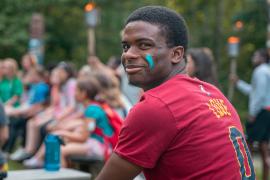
144 39
138 40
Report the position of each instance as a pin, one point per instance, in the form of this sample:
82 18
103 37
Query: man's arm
244 87
118 168
12 100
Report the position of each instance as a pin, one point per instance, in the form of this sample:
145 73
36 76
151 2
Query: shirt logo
218 107
204 91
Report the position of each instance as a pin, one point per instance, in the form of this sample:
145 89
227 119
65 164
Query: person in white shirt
258 125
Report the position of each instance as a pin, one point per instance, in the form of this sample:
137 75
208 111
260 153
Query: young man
182 128
258 125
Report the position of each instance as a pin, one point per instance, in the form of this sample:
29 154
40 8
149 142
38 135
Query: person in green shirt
11 87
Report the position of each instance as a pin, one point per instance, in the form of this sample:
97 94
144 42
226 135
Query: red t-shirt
185 129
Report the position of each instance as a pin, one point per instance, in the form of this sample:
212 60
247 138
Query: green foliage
15 16
66 31
210 23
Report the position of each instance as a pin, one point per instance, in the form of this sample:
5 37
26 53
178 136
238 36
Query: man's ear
177 54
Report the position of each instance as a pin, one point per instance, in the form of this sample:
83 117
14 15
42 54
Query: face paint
150 61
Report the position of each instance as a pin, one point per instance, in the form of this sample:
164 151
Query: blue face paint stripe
150 61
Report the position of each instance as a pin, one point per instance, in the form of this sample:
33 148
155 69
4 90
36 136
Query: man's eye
145 45
125 47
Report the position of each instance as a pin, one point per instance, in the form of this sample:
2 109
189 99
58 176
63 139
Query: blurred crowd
39 100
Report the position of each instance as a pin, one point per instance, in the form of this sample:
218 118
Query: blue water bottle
52 153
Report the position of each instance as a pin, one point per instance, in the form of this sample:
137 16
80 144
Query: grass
258 165
12 165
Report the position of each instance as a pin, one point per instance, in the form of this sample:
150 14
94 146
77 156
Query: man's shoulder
262 69
152 113
148 101
149 105
171 85
179 87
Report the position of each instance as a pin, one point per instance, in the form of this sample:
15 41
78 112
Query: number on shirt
242 154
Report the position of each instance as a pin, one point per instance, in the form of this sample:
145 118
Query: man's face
257 59
140 38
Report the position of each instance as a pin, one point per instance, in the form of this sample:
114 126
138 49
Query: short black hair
172 24
264 54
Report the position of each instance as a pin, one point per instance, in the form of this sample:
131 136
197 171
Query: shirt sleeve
93 111
146 133
40 94
244 87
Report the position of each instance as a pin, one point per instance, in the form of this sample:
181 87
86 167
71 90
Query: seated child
77 141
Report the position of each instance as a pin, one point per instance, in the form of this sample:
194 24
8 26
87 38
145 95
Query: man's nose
131 53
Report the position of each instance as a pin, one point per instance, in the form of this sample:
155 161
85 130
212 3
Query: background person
28 62
258 124
200 64
11 87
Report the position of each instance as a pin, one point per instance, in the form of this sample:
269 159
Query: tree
66 32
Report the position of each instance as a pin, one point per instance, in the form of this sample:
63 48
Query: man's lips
133 68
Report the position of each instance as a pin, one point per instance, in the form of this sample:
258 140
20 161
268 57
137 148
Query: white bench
41 174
